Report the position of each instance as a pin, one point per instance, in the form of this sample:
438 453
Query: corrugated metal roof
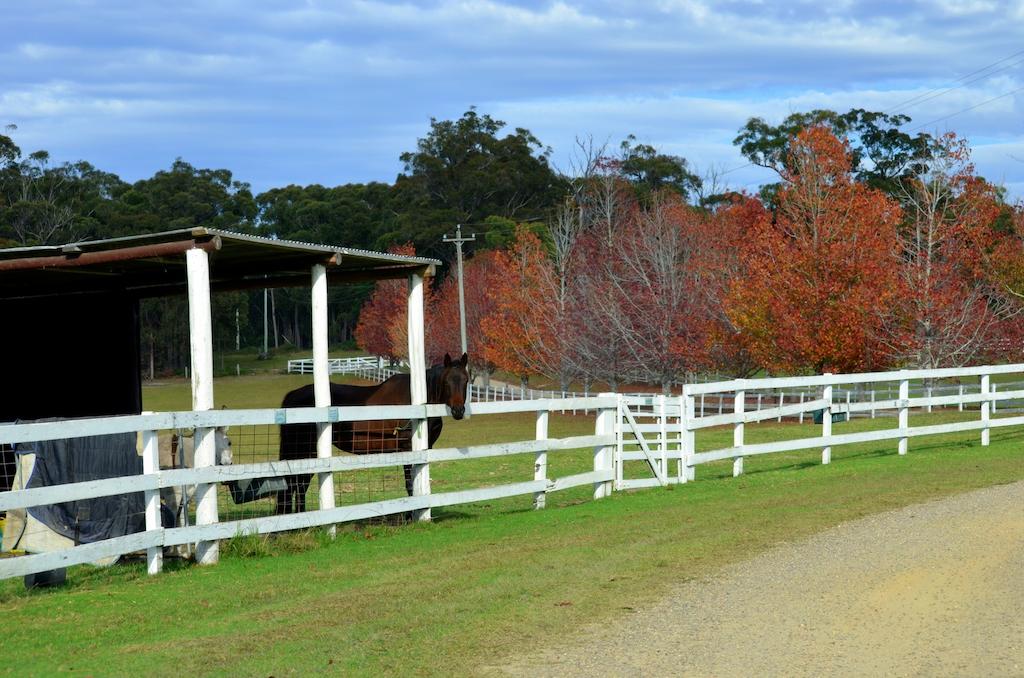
154 264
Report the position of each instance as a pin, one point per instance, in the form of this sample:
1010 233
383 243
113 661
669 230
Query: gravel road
934 589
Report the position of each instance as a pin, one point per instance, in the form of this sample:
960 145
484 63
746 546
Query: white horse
178 451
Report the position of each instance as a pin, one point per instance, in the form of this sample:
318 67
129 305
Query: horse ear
447 360
465 359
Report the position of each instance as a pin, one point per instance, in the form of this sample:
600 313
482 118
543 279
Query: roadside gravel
934 589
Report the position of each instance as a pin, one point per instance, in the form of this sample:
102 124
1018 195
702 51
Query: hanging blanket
80 459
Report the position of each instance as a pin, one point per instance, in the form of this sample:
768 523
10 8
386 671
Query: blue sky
333 92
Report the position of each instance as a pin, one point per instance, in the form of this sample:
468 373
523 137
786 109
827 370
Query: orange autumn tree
819 272
483 273
529 330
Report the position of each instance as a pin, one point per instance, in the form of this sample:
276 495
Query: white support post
721 402
737 432
603 454
848 395
904 418
985 409
540 465
687 472
201 339
928 394
960 405
702 404
663 435
151 464
826 422
759 395
801 411
418 388
872 403
322 384
782 401
995 404
620 434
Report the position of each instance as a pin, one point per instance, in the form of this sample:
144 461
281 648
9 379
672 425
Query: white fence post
801 411
826 422
995 404
663 434
872 403
782 401
201 339
928 394
151 464
607 419
737 432
322 383
418 388
686 471
540 464
960 405
985 405
904 418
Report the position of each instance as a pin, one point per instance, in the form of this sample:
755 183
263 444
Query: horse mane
434 373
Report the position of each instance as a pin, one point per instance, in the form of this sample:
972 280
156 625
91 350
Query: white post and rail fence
637 441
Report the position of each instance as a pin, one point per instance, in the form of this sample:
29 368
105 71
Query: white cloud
360 79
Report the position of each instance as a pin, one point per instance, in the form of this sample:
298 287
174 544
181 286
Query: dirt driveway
935 589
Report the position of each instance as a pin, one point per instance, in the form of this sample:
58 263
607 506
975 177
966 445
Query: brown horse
446 384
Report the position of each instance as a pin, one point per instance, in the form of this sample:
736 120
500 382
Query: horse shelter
73 346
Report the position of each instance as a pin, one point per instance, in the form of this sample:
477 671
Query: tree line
875 247
874 250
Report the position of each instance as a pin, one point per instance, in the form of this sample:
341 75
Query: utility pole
458 240
265 322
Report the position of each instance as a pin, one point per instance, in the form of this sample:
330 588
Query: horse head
454 381
223 446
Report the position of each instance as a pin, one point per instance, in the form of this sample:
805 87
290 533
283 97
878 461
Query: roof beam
75 257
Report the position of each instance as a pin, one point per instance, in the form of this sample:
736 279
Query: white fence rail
369 367
155 537
657 431
870 400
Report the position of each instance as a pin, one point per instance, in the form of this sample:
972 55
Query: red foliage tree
729 225
820 272
483 273
658 282
529 330
383 321
945 315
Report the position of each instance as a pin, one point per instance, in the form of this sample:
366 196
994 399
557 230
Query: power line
925 98
920 98
970 108
734 169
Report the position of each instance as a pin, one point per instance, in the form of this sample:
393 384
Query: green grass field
481 582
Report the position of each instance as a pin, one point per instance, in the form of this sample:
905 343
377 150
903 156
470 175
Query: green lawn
483 581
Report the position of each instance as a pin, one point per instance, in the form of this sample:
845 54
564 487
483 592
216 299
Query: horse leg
408 479
301 485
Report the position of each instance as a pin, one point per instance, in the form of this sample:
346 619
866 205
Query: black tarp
81 459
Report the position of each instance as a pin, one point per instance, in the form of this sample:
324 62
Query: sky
284 92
